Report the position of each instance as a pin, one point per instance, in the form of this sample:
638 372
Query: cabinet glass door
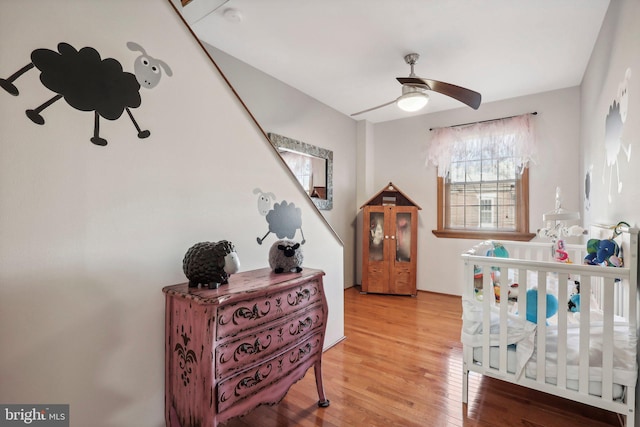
403 237
376 236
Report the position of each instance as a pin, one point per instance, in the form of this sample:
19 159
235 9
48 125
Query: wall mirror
311 165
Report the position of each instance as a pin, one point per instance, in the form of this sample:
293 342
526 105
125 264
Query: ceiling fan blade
466 96
374 108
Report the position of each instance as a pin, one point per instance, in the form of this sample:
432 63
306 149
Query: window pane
474 171
457 195
507 169
488 150
473 216
506 219
456 172
489 170
456 217
486 212
474 150
471 194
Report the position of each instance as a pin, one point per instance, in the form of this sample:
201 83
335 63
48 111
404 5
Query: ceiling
348 53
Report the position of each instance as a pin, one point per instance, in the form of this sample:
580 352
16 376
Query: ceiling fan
414 91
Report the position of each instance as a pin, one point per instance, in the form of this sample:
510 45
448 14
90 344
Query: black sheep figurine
210 264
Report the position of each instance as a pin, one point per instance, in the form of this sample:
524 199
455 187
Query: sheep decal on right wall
89 83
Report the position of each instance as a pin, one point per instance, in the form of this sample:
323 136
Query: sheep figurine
210 263
285 256
89 83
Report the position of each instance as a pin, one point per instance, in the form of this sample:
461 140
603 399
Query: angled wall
90 234
281 109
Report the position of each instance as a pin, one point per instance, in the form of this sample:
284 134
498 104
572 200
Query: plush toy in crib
498 250
560 253
574 299
512 294
574 303
489 248
604 252
532 305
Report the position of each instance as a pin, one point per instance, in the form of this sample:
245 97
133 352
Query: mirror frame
279 141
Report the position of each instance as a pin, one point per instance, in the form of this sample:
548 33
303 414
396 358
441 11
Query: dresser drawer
238 354
247 383
251 313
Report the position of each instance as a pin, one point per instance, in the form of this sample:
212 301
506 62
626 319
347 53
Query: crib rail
608 299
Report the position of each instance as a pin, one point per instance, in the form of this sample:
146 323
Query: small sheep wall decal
286 256
210 263
89 83
284 218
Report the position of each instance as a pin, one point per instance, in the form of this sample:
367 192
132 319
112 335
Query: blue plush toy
574 303
574 299
532 305
603 252
498 250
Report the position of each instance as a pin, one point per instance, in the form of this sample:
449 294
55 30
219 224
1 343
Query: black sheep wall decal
89 83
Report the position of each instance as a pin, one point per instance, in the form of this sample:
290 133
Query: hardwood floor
401 365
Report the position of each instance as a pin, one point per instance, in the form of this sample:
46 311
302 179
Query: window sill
484 235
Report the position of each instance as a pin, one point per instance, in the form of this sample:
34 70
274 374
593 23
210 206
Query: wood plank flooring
401 365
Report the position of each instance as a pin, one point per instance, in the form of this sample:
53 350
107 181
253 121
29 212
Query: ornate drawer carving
237 317
240 353
249 382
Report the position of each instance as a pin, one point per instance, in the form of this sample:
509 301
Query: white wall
89 235
281 109
617 49
399 153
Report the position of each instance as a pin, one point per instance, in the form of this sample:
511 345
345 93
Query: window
486 212
483 182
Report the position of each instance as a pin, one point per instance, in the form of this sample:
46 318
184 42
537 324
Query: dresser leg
317 368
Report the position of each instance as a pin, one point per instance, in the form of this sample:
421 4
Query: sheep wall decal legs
284 218
89 83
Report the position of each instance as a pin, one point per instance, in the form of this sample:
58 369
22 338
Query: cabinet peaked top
390 195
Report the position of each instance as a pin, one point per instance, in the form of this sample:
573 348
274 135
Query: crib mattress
595 387
522 354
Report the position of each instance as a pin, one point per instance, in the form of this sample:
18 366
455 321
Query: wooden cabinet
230 349
389 243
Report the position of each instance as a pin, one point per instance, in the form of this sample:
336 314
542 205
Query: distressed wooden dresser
230 349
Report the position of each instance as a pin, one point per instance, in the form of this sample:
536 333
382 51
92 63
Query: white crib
588 356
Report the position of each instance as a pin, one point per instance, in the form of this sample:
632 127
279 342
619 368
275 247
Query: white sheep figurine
285 256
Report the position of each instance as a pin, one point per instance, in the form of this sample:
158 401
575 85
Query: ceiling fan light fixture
412 101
